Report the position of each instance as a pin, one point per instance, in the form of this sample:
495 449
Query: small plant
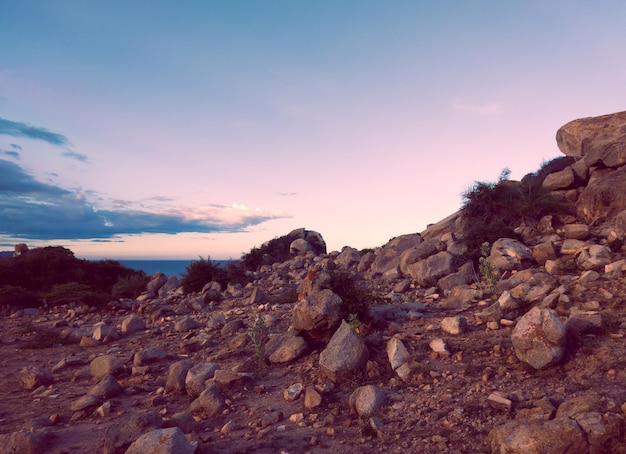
355 323
487 270
258 336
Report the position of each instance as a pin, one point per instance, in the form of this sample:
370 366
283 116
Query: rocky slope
527 359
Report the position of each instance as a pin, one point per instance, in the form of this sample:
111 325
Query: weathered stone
107 387
348 257
397 353
428 271
576 231
509 254
209 403
420 252
170 286
312 399
602 197
157 281
560 435
367 400
106 365
102 332
440 346
454 325
595 138
197 376
228 379
120 435
162 441
594 258
539 338
389 256
26 442
133 323
345 353
543 252
186 324
293 392
257 296
32 377
318 312
285 347
559 180
176 376
149 355
231 327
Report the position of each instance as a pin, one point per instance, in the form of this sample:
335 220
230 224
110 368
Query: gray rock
119 436
186 324
157 281
107 387
162 441
132 323
195 381
420 252
389 256
509 254
284 348
149 355
32 377
558 436
106 365
594 258
209 403
317 312
348 257
26 442
428 271
176 376
367 400
539 338
345 353
454 325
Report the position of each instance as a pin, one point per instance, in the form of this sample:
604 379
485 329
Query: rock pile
436 361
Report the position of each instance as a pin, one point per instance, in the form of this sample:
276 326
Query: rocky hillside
423 345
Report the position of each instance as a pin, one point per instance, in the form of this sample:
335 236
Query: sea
167 267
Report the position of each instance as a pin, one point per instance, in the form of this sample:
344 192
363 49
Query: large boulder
317 313
428 271
539 338
314 242
345 353
598 139
603 197
388 258
510 254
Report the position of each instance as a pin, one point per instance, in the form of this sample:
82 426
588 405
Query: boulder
133 323
420 252
559 180
597 139
367 400
162 441
209 403
345 353
428 271
176 376
389 256
603 197
539 338
105 365
195 380
285 347
509 254
317 313
33 377
157 281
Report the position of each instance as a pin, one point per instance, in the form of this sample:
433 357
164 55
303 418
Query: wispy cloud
33 210
15 146
77 156
287 194
10 153
20 129
492 108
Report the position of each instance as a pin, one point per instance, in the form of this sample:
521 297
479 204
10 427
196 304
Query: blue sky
203 128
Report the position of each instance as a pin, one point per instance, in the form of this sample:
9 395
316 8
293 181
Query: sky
167 129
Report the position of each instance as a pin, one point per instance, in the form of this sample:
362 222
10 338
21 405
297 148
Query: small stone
439 346
454 325
293 392
33 377
492 325
499 401
312 398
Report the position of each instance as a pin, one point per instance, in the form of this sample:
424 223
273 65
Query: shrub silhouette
47 272
200 272
273 251
493 210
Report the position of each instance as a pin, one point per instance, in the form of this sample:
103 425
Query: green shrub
493 210
274 251
18 297
130 286
197 274
74 293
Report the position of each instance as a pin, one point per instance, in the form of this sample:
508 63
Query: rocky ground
425 354
79 380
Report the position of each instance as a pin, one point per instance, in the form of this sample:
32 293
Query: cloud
73 155
287 194
11 153
20 129
33 210
15 146
489 108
